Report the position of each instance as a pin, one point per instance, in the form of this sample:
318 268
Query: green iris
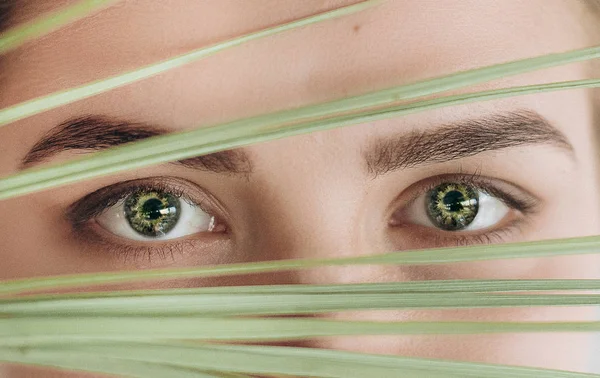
152 213
452 206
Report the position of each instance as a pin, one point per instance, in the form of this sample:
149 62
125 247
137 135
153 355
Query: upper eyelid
530 204
93 204
82 210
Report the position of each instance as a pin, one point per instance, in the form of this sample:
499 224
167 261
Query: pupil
453 201
453 206
152 213
153 209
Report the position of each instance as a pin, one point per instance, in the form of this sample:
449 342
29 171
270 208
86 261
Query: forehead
396 42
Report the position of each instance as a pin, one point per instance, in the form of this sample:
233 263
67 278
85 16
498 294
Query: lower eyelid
191 219
405 234
505 234
516 198
422 237
200 249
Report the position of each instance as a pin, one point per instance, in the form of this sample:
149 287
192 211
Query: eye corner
523 201
147 211
86 209
500 208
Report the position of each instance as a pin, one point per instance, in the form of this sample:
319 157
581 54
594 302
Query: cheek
558 351
24 238
571 208
36 240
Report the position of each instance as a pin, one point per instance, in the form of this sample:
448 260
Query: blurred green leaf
203 141
427 286
99 364
51 329
545 248
55 100
298 361
48 23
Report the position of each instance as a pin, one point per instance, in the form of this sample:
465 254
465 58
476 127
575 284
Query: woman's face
505 171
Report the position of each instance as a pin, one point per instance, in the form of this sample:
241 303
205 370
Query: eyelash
512 200
81 213
86 209
516 199
95 203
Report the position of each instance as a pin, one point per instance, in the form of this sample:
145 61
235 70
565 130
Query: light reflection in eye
457 207
155 215
144 215
461 208
452 206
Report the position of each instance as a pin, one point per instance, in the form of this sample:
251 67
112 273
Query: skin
310 196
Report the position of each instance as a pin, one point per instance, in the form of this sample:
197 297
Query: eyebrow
462 139
94 133
408 150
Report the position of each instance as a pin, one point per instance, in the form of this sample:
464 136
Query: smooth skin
312 196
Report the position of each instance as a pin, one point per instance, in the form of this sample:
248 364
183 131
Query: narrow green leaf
202 141
560 247
429 286
303 361
283 304
47 23
26 332
419 89
98 364
55 100
81 361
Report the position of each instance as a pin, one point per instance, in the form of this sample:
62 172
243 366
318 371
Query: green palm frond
561 247
287 361
72 330
203 141
429 286
99 364
55 100
17 36
166 333
285 304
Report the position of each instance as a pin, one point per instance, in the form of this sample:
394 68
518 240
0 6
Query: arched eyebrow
406 150
94 133
462 139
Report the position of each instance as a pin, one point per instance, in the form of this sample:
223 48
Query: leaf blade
48 23
55 100
203 141
95 364
307 362
546 248
31 332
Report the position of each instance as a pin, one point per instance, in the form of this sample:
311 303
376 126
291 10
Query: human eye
464 209
147 215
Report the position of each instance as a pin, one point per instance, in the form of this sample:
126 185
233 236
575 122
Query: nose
316 223
312 221
316 203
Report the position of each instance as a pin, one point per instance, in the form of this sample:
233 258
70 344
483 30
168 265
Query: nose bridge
312 202
316 223
320 223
